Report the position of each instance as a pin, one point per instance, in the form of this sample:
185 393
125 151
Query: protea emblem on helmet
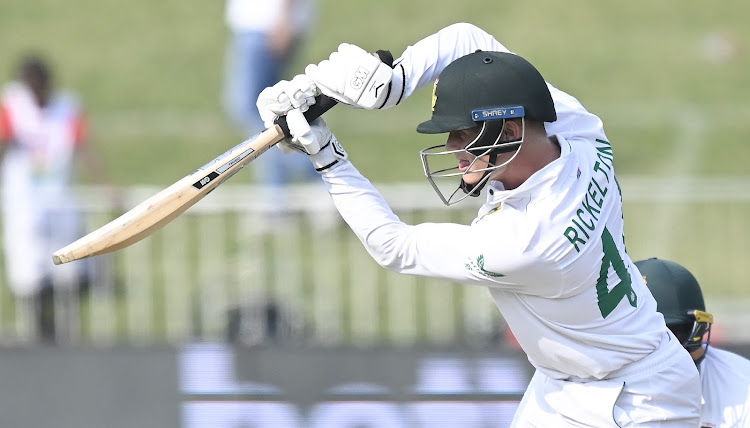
434 91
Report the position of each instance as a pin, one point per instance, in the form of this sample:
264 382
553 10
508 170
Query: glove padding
353 76
292 99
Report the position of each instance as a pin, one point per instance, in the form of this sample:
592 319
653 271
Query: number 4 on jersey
608 300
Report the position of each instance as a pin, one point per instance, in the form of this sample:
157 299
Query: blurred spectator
265 37
725 376
42 135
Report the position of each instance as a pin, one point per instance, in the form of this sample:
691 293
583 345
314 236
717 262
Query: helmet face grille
692 336
440 164
442 171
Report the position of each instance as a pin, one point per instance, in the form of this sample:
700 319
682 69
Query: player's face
457 141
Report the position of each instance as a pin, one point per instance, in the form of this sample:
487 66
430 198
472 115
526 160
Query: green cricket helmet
482 89
679 298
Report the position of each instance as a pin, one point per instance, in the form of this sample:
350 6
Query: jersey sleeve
445 251
421 63
573 120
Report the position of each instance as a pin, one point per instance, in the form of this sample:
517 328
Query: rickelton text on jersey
588 214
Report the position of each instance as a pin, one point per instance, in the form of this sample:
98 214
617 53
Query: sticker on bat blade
221 156
205 180
235 161
224 168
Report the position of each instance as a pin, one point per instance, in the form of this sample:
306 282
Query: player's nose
454 142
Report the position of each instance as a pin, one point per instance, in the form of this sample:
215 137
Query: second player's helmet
679 298
483 89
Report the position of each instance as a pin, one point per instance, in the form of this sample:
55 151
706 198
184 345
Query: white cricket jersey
551 252
725 382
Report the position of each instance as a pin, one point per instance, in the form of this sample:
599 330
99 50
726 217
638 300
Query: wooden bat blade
163 207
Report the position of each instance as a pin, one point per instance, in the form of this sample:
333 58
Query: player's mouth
463 165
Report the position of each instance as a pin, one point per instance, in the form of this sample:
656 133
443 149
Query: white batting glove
292 99
284 97
330 154
353 76
329 151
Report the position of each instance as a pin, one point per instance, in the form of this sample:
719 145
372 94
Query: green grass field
669 79
150 74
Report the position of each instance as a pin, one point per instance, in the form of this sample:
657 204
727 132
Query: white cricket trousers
662 390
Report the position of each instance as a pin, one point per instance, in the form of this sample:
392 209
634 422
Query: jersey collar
496 192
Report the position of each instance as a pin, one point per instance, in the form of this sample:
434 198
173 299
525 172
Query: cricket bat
163 207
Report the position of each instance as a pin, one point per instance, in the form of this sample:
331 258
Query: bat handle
323 102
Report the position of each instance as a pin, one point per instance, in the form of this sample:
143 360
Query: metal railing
237 267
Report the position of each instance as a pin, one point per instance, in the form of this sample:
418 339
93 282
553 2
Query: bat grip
323 102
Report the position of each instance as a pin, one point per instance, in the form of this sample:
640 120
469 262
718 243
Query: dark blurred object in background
264 322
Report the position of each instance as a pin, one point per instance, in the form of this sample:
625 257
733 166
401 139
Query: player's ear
512 131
